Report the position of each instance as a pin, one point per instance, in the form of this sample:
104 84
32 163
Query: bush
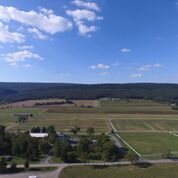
3 165
26 165
13 165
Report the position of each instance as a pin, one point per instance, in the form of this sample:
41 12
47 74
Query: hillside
11 92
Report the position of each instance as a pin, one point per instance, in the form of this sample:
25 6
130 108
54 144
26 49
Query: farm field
6 115
154 171
147 132
114 110
65 122
132 103
151 143
146 125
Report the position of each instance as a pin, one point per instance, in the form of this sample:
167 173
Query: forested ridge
11 92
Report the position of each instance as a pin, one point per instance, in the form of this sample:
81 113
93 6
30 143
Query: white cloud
87 5
85 30
20 56
26 47
145 68
10 37
157 65
125 50
17 65
14 64
149 67
44 20
37 34
83 14
104 73
100 66
136 75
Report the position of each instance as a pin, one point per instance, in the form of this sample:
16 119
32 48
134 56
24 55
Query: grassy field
6 115
146 125
65 122
151 143
131 103
142 123
155 171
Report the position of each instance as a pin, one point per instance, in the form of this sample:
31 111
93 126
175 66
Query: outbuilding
39 135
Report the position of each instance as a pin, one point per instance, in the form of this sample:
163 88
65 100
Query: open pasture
154 171
151 143
146 125
131 103
114 110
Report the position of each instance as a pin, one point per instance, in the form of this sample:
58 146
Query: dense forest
11 92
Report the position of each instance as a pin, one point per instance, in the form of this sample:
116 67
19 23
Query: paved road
61 166
52 174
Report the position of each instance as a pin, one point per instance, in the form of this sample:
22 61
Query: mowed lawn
151 143
65 122
154 171
152 125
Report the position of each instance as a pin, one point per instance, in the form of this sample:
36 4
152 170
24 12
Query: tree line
11 92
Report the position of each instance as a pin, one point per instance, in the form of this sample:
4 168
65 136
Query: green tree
13 165
26 165
3 164
110 151
75 130
44 147
57 148
51 130
2 130
166 153
84 157
90 131
83 146
66 149
132 157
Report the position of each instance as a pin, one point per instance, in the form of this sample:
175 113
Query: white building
38 135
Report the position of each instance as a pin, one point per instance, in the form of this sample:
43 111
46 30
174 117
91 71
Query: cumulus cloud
83 29
10 37
125 50
81 15
87 5
136 75
37 34
44 20
100 66
20 56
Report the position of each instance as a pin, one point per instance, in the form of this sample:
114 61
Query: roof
38 135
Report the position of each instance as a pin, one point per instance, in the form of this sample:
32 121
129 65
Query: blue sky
89 41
